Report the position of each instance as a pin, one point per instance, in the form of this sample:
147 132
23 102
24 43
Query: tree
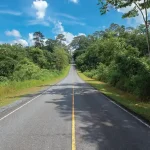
141 29
38 38
50 44
37 56
129 29
79 42
138 7
7 66
60 58
97 34
60 38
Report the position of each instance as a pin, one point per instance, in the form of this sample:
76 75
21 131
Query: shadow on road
98 121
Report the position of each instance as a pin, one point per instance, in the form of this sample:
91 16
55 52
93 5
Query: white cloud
73 22
66 16
30 39
59 29
40 6
14 33
10 12
74 1
39 22
81 34
44 41
20 41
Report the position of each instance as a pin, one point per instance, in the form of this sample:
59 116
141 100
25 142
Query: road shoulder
139 110
23 99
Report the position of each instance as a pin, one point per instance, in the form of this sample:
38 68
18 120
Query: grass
13 90
127 100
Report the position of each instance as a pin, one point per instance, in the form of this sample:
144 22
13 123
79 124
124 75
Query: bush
103 72
19 63
60 58
141 81
114 78
91 74
7 66
131 74
3 79
38 57
114 61
25 70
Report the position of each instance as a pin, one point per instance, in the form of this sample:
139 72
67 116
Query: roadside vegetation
116 61
25 69
117 56
130 101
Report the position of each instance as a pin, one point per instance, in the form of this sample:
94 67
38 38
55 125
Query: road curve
45 123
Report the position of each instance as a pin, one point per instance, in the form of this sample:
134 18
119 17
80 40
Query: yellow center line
73 122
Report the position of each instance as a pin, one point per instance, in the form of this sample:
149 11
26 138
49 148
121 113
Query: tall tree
142 29
50 44
96 34
60 38
38 38
138 7
79 42
129 29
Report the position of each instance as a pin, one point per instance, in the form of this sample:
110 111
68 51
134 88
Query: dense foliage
118 56
18 63
139 7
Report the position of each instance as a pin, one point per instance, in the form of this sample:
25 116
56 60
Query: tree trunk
147 29
146 24
148 39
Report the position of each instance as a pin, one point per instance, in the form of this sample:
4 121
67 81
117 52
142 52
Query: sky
21 18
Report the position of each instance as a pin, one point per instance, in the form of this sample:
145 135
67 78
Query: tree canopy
136 7
118 56
25 63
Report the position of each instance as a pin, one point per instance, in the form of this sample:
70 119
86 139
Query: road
71 115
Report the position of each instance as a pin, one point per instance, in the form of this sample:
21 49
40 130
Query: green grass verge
127 100
13 90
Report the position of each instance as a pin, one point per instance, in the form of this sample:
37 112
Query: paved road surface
46 122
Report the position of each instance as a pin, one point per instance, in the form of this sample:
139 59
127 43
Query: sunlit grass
128 100
12 91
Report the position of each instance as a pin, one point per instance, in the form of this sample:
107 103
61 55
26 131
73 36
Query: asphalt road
47 122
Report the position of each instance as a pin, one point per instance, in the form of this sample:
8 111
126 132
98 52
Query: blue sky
21 18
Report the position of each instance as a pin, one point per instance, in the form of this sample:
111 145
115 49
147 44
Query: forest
117 55
27 67
36 62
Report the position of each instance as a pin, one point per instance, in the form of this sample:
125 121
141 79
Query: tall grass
125 99
10 91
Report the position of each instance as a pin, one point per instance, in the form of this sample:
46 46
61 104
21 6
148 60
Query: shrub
25 70
103 72
60 58
3 79
7 66
91 73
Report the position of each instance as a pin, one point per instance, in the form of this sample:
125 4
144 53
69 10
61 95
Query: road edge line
29 101
124 109
140 120
23 105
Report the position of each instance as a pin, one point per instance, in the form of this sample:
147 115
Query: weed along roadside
127 100
13 90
